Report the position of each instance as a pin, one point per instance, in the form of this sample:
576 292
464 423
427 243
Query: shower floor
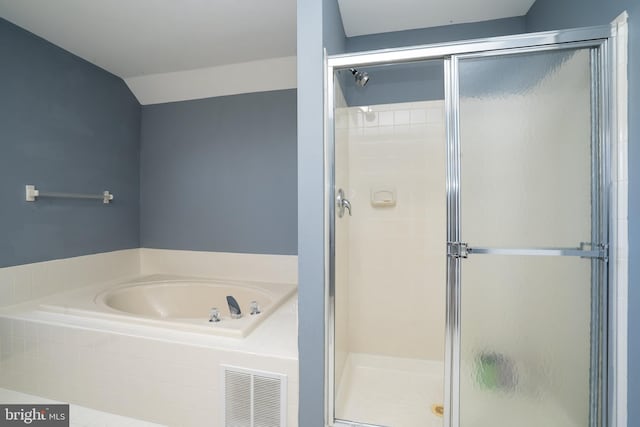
396 392
390 391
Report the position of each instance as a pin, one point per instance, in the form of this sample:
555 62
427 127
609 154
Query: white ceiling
380 16
137 37
141 37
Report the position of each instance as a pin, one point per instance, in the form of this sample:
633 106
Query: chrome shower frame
606 403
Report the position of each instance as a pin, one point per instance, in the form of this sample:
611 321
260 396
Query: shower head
362 77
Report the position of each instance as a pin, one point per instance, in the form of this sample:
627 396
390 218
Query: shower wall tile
386 118
419 115
402 117
395 254
342 240
371 120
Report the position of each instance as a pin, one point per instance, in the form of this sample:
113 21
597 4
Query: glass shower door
529 275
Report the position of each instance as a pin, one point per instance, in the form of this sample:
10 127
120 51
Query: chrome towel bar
32 194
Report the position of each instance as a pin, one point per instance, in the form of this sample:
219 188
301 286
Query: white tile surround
146 373
399 146
260 268
30 281
620 230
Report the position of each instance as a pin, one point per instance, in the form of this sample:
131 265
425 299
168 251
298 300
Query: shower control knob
342 203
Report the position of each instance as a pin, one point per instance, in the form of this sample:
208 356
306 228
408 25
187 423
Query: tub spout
234 307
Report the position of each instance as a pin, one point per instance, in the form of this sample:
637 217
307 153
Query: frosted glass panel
525 340
525 137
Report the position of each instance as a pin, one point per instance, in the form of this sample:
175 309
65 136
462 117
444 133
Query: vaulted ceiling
141 37
362 17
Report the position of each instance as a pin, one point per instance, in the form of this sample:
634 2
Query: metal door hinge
601 248
457 249
604 250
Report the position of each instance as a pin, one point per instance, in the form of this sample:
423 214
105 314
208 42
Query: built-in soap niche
383 197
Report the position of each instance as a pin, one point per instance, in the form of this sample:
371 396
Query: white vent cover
253 398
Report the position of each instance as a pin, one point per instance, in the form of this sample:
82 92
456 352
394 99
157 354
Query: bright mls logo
34 415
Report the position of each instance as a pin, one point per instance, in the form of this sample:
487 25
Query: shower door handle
599 251
342 203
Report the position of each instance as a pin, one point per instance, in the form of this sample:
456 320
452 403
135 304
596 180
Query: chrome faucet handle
254 308
214 316
347 204
342 203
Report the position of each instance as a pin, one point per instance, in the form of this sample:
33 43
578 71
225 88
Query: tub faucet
234 307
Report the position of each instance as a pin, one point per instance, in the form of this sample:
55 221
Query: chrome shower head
362 77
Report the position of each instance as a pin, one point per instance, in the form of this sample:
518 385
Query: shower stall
467 224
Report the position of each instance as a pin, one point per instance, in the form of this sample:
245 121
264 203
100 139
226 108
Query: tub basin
182 300
181 304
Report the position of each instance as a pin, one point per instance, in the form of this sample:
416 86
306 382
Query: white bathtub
176 303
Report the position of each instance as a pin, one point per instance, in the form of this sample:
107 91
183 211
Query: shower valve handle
342 203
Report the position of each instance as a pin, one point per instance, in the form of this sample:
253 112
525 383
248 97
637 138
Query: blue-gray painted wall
68 126
557 14
446 33
418 81
335 41
319 27
216 174
219 174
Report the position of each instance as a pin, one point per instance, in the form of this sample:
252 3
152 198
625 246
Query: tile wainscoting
142 372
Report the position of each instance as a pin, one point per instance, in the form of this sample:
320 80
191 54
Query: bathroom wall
319 26
219 174
397 266
65 126
70 126
556 14
445 33
418 81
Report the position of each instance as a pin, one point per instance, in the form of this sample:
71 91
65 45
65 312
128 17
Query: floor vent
253 398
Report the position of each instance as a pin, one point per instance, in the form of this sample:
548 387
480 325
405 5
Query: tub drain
438 410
